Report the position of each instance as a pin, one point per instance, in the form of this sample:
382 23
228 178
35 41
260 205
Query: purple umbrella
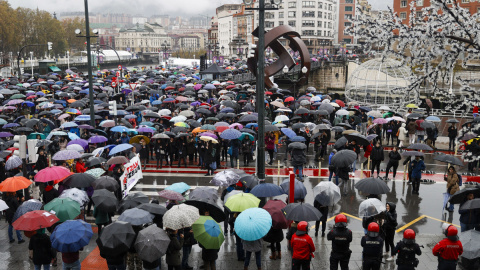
126 91
198 86
209 87
66 155
171 195
145 129
195 103
14 102
85 126
5 134
97 139
11 125
83 143
209 135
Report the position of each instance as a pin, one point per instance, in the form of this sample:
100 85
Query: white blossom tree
431 43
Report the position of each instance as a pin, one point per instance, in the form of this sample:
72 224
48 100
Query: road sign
114 84
133 85
118 74
119 67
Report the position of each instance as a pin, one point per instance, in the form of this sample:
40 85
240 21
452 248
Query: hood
392 206
403 125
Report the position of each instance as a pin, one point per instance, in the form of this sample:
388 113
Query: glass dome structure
379 82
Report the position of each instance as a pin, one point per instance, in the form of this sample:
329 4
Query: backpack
459 180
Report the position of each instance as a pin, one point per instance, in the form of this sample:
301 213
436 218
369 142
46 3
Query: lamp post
165 56
68 59
295 82
31 61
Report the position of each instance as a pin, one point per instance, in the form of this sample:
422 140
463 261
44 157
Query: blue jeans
300 171
186 253
330 177
117 267
72 266
45 267
420 138
466 227
258 258
239 247
10 233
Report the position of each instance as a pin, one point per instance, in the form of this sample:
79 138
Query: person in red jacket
80 166
302 247
448 250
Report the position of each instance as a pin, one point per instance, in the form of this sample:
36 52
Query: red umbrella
13 184
339 102
221 128
274 208
231 82
268 93
419 122
54 173
230 87
288 99
169 88
35 220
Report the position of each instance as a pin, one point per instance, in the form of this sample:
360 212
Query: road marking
352 216
442 221
410 223
328 220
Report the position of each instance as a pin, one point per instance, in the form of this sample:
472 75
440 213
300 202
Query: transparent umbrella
371 207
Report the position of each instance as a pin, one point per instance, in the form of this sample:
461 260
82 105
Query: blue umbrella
253 224
433 119
26 207
267 190
227 110
300 190
230 134
71 235
288 132
156 102
209 87
11 125
244 134
120 148
69 125
298 139
178 187
13 162
82 118
250 125
119 129
73 136
28 103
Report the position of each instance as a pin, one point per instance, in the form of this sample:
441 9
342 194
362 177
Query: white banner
131 175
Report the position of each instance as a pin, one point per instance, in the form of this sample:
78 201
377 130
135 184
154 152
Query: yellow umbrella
198 130
208 139
138 138
182 124
242 201
411 105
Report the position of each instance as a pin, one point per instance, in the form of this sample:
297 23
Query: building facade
143 38
402 7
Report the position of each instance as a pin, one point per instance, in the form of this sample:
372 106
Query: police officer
372 245
341 237
406 250
448 250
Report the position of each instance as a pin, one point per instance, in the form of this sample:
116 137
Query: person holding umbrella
416 166
469 218
49 193
173 259
452 134
324 210
298 159
40 250
341 238
13 204
144 153
302 247
452 184
332 168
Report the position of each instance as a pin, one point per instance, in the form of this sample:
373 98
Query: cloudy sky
146 7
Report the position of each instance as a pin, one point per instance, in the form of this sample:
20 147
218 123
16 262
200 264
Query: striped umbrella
13 162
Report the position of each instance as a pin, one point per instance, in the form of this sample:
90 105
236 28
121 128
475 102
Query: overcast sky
145 7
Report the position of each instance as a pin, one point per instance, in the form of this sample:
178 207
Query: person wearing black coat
377 157
188 242
209 256
40 250
182 151
389 227
452 134
394 157
113 262
209 158
50 193
274 237
298 159
171 150
324 210
343 174
42 161
13 204
144 153
159 149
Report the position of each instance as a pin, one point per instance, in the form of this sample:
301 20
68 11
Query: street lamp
31 61
300 81
68 59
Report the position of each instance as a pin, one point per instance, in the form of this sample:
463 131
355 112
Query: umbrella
371 207
206 205
358 138
208 232
372 185
63 208
225 178
412 154
105 200
427 124
119 148
288 132
274 208
79 180
449 159
471 205
470 241
180 187
106 182
327 193
66 155
71 236
171 195
297 145
230 134
117 238
97 139
301 212
75 194
249 181
35 220
242 201
13 162
343 158
97 172
300 190
253 224
28 206
180 216
452 121
13 184
4 206
298 139
153 208
151 243
461 195
94 161
204 193
267 190
136 216
340 143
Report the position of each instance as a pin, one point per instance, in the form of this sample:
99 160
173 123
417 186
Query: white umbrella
3 205
327 193
180 216
164 112
281 118
187 113
179 118
371 207
342 111
75 147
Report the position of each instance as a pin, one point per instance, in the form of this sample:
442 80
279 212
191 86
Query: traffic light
251 50
21 144
112 106
49 44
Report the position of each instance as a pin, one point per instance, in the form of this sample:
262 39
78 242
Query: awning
54 69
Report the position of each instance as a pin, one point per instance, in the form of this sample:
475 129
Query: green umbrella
63 208
242 201
97 172
208 233
18 96
34 136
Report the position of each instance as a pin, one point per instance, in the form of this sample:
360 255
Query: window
419 3
348 8
280 23
292 14
320 5
308 14
403 3
308 32
347 24
292 4
348 17
319 24
347 40
280 15
419 14
403 15
308 23
465 1
308 4
291 23
329 16
319 33
269 15
269 24
348 1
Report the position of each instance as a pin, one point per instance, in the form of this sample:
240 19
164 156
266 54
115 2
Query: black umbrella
205 205
358 138
452 121
153 208
41 143
343 158
301 212
105 200
414 116
340 143
79 180
471 205
449 159
471 245
31 123
106 182
249 181
24 129
302 111
95 161
461 195
297 145
412 154
270 128
248 118
204 194
298 125
117 238
151 243
247 130
48 122
372 185
136 217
